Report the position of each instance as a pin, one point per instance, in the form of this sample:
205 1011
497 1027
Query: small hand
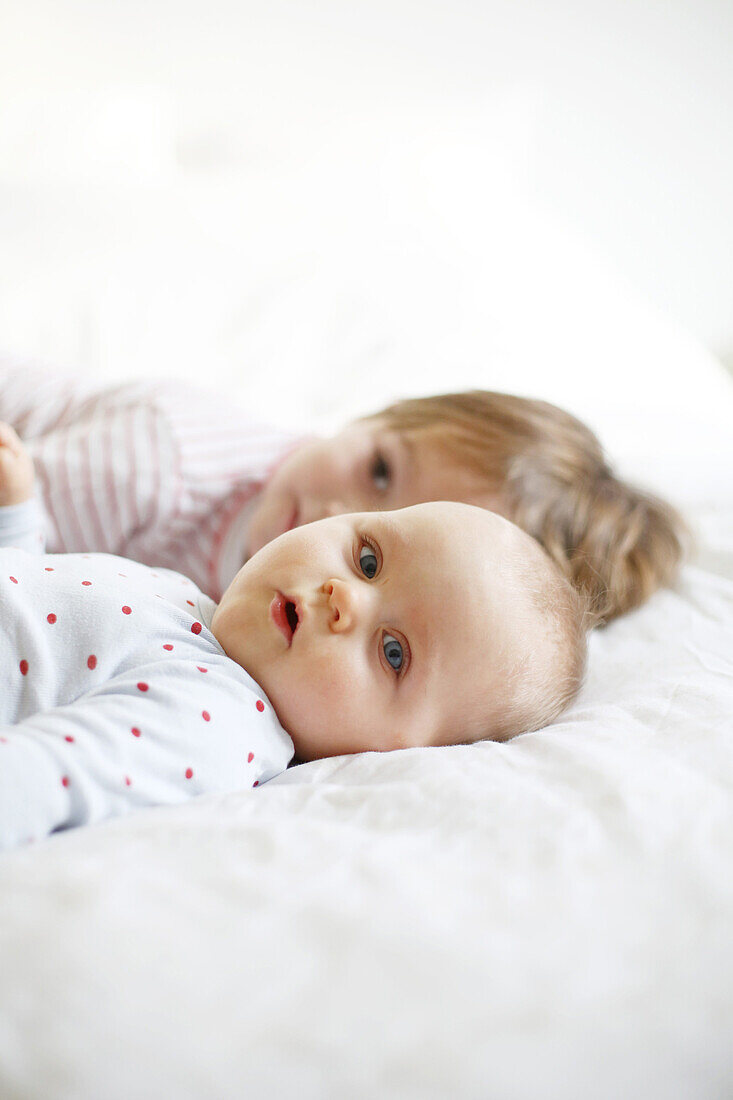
16 468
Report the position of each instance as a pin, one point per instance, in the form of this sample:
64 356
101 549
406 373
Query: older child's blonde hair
616 544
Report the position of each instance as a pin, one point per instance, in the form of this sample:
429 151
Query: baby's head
437 624
527 460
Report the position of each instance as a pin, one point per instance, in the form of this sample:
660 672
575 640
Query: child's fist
16 468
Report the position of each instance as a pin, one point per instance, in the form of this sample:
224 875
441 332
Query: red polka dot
13 579
205 715
135 731
86 582
250 758
201 668
51 618
190 603
4 740
126 610
142 686
189 773
49 569
122 575
196 628
24 667
260 705
65 781
128 781
256 783
168 647
91 661
69 738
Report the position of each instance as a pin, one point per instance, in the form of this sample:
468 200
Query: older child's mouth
284 614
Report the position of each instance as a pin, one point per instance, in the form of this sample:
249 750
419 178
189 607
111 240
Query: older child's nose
342 603
312 510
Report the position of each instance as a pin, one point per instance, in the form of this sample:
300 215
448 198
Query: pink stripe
67 504
177 459
71 509
58 544
115 516
90 496
132 476
155 462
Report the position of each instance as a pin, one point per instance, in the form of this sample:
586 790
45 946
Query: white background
617 114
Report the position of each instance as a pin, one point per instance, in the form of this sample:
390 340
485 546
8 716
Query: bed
550 917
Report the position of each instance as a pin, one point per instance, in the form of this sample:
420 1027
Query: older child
173 477
127 687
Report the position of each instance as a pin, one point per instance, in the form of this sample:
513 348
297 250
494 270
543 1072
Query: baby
125 686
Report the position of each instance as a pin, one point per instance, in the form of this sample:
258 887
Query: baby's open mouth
284 614
292 615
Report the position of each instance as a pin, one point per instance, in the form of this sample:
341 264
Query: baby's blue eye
368 561
392 650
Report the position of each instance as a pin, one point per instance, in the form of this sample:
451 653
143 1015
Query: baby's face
400 620
366 467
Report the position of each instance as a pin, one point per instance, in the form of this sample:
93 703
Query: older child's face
399 619
366 467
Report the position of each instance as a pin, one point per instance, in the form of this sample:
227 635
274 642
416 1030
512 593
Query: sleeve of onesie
22 526
158 735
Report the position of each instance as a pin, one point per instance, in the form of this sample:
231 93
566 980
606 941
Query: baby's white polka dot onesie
117 695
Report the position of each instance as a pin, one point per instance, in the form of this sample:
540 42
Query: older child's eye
368 560
380 472
392 650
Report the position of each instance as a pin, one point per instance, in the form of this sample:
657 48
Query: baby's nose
342 605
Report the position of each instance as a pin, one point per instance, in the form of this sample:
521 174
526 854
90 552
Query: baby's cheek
310 695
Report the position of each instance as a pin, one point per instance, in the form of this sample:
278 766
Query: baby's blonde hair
540 684
616 544
543 683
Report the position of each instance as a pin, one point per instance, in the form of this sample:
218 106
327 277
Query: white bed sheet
550 917
547 918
